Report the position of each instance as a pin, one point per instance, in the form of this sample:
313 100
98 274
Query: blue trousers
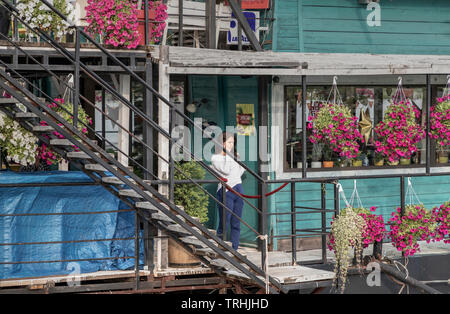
235 204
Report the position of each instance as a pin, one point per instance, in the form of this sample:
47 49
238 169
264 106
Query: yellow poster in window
245 119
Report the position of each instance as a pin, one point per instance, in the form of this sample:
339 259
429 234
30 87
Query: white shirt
228 168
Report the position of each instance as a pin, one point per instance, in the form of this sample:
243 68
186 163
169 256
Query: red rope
253 196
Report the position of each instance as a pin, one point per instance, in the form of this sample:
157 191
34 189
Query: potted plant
399 133
337 128
440 127
316 155
17 144
194 201
358 160
327 157
37 15
115 22
417 224
347 232
378 160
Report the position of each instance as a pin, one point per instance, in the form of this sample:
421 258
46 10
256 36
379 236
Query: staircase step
43 128
212 254
131 193
179 229
25 115
80 155
193 241
61 142
8 101
97 167
146 205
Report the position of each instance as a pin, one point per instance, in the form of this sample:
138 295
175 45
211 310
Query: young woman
230 170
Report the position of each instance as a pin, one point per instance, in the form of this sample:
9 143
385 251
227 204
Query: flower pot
379 163
357 163
328 164
316 164
393 163
299 164
405 161
179 257
443 159
141 26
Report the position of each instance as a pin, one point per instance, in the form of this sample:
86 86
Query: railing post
136 248
147 129
76 78
180 23
336 199
103 119
304 139
239 28
147 29
293 225
171 160
264 226
428 111
323 214
224 213
402 195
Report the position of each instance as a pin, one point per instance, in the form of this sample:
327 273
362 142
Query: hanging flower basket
441 216
399 132
115 22
417 224
440 126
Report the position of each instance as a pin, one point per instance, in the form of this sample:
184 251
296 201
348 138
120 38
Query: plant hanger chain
355 195
342 193
399 93
446 92
411 194
335 91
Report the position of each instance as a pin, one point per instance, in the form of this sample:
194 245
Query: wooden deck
280 268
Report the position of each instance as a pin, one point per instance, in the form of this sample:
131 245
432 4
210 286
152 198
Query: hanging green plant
347 230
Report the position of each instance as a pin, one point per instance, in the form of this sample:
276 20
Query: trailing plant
335 126
65 110
441 216
399 132
115 21
440 123
347 231
192 198
19 144
37 15
417 224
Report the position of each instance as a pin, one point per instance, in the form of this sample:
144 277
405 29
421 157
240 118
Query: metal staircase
141 195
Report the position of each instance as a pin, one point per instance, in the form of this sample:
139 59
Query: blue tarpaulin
61 227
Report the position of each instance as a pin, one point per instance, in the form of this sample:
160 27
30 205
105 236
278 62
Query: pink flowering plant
374 230
65 110
157 29
440 123
335 126
399 132
441 216
115 21
417 224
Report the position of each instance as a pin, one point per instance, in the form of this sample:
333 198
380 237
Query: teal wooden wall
382 193
407 27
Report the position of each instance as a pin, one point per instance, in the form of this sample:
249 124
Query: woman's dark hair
225 136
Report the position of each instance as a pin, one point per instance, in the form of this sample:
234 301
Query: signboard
253 4
245 119
253 21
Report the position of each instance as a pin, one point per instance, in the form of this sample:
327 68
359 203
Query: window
368 103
